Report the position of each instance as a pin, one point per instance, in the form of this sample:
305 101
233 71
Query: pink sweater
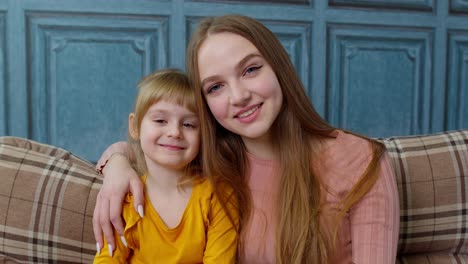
369 231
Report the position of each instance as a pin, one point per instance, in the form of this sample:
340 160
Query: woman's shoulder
344 158
344 142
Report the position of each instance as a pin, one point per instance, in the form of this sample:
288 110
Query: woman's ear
132 127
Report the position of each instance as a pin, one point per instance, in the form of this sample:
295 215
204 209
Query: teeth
248 112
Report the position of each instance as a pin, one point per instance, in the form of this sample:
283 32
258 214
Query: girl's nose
174 131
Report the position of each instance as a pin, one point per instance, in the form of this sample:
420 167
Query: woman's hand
120 178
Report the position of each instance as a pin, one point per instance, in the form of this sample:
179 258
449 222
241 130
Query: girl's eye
251 70
189 125
159 121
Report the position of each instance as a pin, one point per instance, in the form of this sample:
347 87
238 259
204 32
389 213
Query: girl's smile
171 147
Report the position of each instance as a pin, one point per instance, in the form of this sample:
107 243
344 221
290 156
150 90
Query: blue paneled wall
68 69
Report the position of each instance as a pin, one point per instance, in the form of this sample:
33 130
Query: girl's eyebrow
238 67
168 112
157 111
190 115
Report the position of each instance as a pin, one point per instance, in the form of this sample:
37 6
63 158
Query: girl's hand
120 178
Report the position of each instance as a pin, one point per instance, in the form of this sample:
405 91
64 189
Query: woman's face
240 87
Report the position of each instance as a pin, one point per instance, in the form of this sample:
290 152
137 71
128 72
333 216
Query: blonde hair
300 236
168 85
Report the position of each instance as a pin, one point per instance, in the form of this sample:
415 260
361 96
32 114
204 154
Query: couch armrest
47 197
432 177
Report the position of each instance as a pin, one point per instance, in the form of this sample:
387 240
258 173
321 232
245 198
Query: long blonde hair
170 85
300 238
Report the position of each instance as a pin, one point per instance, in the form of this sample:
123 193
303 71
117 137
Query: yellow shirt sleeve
120 254
222 237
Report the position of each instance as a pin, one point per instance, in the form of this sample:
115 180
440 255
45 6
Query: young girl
184 221
307 192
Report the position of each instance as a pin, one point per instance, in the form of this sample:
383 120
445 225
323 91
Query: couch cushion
432 176
431 258
47 198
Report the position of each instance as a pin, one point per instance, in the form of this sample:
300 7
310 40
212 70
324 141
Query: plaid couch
47 198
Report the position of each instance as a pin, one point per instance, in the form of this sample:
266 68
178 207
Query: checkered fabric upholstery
47 198
432 177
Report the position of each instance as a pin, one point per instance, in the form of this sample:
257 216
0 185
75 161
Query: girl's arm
221 245
375 220
119 179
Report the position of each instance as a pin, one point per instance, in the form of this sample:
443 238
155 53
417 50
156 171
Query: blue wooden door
68 69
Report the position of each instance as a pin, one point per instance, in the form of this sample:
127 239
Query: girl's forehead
169 106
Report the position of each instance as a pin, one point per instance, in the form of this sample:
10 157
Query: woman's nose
240 94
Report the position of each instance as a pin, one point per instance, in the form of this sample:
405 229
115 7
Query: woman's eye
213 88
252 69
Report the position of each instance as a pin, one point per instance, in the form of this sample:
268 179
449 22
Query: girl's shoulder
203 190
203 185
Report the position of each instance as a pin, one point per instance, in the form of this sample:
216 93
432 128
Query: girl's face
169 135
240 87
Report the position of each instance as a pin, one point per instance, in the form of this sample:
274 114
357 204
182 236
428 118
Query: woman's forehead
225 39
224 47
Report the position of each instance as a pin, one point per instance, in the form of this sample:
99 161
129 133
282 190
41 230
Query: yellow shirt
204 234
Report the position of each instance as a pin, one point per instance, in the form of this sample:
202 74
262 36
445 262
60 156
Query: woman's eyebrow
242 62
238 67
209 79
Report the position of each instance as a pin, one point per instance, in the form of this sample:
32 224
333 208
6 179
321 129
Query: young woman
307 192
184 221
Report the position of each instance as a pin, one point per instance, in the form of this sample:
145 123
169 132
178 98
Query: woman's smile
248 115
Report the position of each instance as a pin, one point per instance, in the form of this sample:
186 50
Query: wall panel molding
279 2
3 76
396 63
73 60
459 6
420 5
457 75
296 38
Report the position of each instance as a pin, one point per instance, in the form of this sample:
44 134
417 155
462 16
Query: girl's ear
132 129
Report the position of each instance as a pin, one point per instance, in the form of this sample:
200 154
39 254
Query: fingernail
124 241
140 210
110 250
98 248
